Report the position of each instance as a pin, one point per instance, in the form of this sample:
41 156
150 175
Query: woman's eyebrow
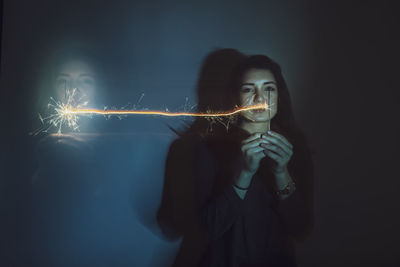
86 75
247 84
63 74
271 82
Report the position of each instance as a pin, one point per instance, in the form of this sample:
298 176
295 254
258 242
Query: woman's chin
258 118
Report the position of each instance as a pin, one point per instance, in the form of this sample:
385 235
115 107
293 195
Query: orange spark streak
153 112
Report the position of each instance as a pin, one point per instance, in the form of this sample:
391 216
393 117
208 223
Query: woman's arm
217 209
296 209
248 163
242 183
293 164
284 181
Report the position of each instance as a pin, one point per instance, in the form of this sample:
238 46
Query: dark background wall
340 60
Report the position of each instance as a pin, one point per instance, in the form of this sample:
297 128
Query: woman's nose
74 84
259 97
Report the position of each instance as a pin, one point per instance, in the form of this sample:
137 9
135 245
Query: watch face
291 186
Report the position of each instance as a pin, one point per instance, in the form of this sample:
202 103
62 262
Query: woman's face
75 75
259 87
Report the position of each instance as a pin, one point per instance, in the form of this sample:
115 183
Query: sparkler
269 111
68 114
58 116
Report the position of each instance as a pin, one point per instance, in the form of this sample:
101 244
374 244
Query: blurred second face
75 75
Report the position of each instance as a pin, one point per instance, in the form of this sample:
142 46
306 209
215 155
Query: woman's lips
259 110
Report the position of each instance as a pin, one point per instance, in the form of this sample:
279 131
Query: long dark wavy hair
218 89
284 120
284 123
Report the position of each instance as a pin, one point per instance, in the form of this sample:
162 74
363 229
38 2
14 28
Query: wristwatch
291 186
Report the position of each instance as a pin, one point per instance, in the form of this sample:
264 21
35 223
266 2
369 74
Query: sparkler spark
59 117
68 113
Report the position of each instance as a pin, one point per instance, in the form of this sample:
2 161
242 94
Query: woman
69 179
72 76
253 187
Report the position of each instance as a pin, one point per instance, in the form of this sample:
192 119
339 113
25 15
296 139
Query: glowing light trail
77 111
68 113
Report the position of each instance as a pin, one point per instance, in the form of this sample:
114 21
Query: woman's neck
254 127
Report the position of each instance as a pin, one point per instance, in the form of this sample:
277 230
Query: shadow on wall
95 200
177 215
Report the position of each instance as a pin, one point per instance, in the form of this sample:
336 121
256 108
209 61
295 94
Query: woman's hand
253 152
277 148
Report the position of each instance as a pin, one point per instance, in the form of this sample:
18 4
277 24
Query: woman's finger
272 155
281 138
254 150
277 150
279 143
254 143
251 138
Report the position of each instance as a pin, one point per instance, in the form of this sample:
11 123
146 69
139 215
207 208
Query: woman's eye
61 82
246 90
88 81
269 88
